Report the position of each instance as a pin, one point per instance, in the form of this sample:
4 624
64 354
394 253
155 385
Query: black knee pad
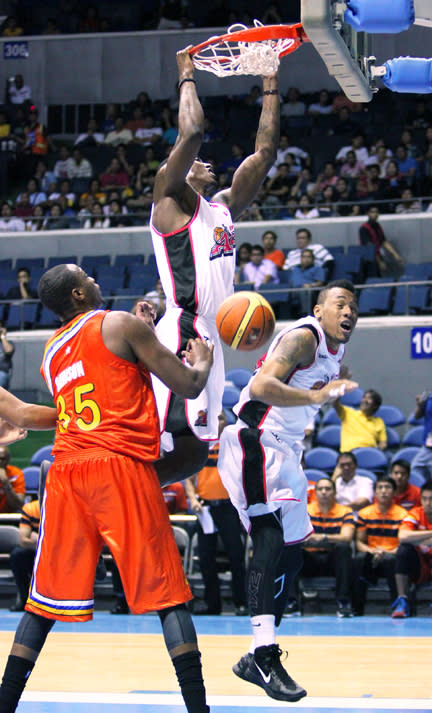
177 626
33 630
267 539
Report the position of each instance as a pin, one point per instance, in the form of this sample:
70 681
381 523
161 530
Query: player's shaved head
56 285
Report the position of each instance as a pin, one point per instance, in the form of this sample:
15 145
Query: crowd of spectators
320 171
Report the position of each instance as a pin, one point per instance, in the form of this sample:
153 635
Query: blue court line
240 626
172 703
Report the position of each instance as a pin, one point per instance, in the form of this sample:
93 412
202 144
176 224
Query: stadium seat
125 304
43 453
414 437
416 479
406 453
22 315
315 474
244 286
371 459
274 293
230 396
329 436
142 283
391 415
331 418
375 300
353 398
230 416
415 421
321 458
393 438
31 477
62 260
366 473
347 266
47 319
30 262
239 377
182 539
127 260
419 299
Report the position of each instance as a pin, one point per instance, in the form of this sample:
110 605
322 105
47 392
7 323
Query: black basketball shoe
264 669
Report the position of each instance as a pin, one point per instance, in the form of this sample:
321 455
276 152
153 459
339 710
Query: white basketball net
229 57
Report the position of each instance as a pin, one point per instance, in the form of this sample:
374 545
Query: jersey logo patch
224 242
202 418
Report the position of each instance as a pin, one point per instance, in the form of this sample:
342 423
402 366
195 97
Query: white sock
263 629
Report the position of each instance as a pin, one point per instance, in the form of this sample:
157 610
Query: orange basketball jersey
102 400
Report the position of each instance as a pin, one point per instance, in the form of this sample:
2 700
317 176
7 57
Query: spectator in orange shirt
328 550
175 498
209 491
377 542
414 554
268 240
22 556
12 484
407 495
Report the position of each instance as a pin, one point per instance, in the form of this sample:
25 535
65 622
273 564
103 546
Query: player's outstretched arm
23 415
295 350
252 171
170 180
132 339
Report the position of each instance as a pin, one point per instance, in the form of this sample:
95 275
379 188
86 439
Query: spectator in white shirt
304 240
357 145
355 491
63 167
17 91
8 222
92 137
323 105
300 158
292 106
259 270
80 167
120 135
150 134
306 210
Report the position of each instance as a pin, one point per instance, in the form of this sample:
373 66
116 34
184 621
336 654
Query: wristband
187 79
268 91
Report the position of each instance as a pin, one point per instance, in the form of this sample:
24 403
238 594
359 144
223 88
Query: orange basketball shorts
92 498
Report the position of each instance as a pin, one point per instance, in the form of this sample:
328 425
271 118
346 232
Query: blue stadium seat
31 477
315 474
419 299
353 398
406 453
127 260
62 260
417 271
244 286
239 377
124 304
43 453
336 250
415 421
391 415
24 314
321 458
416 479
110 283
375 300
230 396
142 283
371 459
329 436
29 262
331 418
6 263
90 263
366 473
393 438
274 293
414 437
47 319
347 267
230 416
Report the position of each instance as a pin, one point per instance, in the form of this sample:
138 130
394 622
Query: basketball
245 321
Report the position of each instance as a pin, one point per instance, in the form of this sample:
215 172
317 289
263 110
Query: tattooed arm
295 350
252 171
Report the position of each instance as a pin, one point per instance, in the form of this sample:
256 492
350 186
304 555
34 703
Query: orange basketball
245 321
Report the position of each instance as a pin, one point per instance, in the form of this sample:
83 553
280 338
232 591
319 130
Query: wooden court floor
360 658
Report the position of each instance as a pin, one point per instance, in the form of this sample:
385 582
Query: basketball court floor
118 664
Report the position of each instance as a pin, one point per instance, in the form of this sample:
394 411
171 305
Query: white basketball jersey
197 263
289 422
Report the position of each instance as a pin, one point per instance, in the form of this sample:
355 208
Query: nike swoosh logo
267 678
256 624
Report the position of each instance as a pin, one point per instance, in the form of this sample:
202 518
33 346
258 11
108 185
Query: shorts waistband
213 503
87 454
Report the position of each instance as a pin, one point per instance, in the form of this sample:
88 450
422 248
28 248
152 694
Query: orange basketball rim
255 50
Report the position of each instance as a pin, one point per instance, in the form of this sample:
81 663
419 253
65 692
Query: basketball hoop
256 50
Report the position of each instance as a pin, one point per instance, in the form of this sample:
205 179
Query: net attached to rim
256 50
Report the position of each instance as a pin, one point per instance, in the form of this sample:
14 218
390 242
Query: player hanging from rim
195 251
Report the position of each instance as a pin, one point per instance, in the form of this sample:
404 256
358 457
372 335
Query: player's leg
229 528
262 664
29 640
290 564
188 457
181 642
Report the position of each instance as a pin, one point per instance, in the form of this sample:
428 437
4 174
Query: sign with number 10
421 343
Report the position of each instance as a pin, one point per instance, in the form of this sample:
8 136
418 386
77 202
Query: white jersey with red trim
289 422
197 263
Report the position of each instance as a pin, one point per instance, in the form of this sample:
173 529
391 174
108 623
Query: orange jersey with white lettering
102 400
